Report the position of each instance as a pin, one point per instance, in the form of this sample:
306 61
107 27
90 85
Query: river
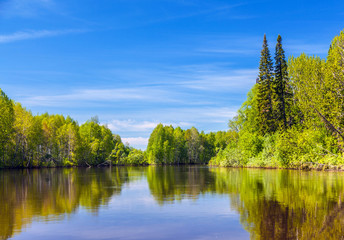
170 202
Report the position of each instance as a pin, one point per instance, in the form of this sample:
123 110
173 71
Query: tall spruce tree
281 88
264 93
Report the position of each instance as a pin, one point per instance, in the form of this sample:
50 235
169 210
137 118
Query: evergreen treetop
264 93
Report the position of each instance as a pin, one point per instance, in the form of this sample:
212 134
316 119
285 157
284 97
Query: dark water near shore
188 202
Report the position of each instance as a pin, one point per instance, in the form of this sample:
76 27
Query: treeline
168 145
54 140
294 114
293 117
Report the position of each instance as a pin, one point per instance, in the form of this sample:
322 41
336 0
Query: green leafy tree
69 142
23 133
155 150
193 143
97 142
136 157
179 146
7 119
160 149
334 88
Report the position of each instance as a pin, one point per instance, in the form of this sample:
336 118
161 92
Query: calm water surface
189 202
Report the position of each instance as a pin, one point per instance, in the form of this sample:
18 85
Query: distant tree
97 142
179 146
193 144
94 119
161 149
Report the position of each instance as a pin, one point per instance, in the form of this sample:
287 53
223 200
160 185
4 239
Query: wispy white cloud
242 79
180 87
26 8
251 45
228 51
312 49
139 126
206 77
190 116
34 34
197 116
131 125
204 10
220 113
139 142
142 129
80 97
243 45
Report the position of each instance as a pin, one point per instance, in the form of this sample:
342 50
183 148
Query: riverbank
302 167
307 166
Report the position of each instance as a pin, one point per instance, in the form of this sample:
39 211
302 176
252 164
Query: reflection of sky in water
187 202
135 214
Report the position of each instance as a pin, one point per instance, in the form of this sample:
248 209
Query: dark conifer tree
264 93
281 86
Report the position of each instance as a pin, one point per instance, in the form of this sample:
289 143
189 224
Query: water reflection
49 194
272 204
282 204
170 183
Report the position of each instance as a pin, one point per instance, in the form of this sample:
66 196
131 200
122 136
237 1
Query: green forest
57 141
293 115
293 118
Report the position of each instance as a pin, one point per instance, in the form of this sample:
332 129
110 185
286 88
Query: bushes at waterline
292 148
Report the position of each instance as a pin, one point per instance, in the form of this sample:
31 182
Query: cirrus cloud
34 34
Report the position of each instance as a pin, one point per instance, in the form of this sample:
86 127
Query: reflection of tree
273 204
25 194
276 204
169 183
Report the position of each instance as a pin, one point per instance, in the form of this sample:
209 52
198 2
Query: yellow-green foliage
290 148
135 157
168 145
50 140
313 135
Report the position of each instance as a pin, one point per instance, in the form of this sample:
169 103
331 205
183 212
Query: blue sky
135 63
